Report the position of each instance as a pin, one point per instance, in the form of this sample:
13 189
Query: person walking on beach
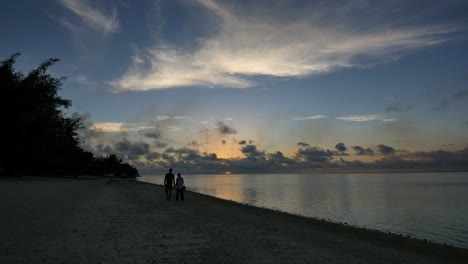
169 183
180 187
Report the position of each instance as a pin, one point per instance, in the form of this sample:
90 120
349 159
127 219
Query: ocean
431 205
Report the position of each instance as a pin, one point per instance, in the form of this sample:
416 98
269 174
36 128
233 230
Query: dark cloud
159 144
103 150
126 149
362 151
153 156
131 149
442 156
340 147
464 124
302 144
223 142
186 153
189 160
315 156
278 158
194 143
461 93
385 150
86 132
442 105
421 160
153 132
242 142
251 152
225 129
393 108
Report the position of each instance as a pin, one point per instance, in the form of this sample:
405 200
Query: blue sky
204 75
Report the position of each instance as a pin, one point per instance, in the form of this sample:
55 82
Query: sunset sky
257 86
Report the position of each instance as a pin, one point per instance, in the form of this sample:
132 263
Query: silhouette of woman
180 187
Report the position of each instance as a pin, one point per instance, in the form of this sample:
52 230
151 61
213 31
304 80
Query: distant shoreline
123 220
320 172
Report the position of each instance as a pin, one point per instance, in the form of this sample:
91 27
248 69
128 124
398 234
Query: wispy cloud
116 127
264 42
93 17
441 105
309 118
393 119
164 117
459 94
364 118
174 128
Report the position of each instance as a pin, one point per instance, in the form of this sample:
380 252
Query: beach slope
123 221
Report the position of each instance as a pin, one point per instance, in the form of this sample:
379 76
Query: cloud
303 144
463 124
110 127
392 119
441 105
365 118
129 149
385 150
225 129
117 127
95 19
309 118
194 143
165 118
340 147
82 79
306 158
242 142
152 156
174 128
360 151
252 153
87 130
279 159
393 108
159 144
459 94
151 132
314 156
420 160
162 118
266 40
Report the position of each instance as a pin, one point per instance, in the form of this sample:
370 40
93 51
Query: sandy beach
53 220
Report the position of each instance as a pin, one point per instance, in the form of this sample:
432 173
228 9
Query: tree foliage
37 137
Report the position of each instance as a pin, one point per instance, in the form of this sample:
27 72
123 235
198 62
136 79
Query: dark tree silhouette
37 137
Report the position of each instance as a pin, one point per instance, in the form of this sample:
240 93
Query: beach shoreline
115 220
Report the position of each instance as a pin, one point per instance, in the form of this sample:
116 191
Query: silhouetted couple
178 184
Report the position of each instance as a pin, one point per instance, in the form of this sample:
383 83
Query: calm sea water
431 206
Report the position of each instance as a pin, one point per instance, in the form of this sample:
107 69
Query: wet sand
83 220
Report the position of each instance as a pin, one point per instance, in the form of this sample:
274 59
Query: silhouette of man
169 183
